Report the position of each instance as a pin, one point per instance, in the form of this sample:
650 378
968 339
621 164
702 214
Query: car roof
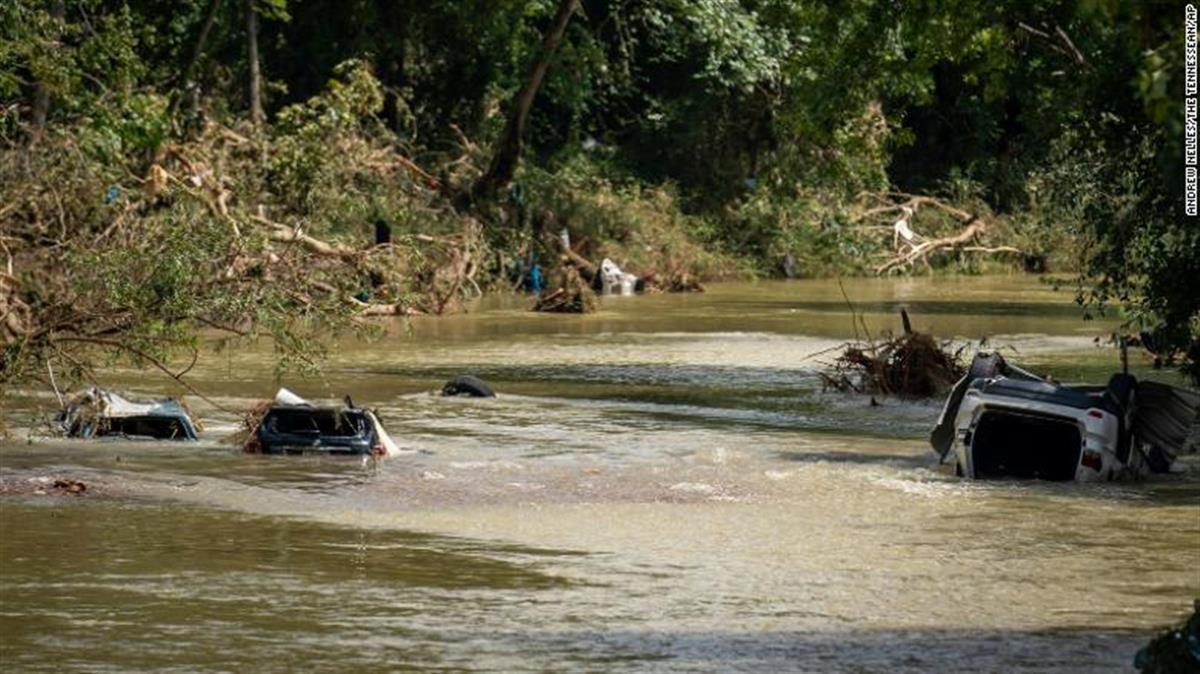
314 408
1037 391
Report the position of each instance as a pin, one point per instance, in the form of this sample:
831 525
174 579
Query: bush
640 228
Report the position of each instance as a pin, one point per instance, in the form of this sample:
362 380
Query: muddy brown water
662 486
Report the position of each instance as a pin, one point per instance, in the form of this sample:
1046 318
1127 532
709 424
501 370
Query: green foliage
302 162
1135 251
137 126
674 134
639 228
815 232
28 35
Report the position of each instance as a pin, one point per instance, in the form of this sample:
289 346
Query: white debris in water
526 486
928 489
693 487
432 475
476 465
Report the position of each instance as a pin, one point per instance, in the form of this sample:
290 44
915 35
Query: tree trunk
508 151
40 109
390 59
256 106
189 70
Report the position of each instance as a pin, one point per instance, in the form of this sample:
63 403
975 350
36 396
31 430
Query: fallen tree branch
992 250
968 235
1066 40
587 269
902 202
912 201
371 309
158 364
284 234
1059 42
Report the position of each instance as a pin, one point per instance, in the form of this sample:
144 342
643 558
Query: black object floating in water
467 385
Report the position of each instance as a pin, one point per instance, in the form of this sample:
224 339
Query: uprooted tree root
911 365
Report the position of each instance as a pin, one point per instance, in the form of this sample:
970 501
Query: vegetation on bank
225 165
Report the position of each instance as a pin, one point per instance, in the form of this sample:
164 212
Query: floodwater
662 486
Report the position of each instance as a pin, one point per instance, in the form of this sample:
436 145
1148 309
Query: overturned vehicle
292 425
1003 421
97 413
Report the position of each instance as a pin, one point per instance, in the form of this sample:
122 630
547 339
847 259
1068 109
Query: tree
255 81
508 149
190 87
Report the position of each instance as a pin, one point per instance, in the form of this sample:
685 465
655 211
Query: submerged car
1002 421
292 425
97 413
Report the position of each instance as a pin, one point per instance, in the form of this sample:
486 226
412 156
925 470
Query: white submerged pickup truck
1002 421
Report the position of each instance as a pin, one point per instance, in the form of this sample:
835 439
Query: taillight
1092 460
1096 414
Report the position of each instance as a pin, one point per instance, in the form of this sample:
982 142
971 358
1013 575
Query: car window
163 428
323 422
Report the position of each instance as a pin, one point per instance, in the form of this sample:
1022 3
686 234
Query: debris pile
246 436
911 365
46 485
571 296
14 313
70 486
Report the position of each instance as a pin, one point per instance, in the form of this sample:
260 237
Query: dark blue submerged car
99 413
305 429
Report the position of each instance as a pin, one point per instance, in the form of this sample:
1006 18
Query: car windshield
325 422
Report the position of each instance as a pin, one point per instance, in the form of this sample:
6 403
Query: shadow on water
165 539
923 307
1153 492
203 590
857 650
1180 489
907 460
180 465
200 590
553 377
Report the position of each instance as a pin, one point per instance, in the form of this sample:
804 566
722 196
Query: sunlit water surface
662 486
